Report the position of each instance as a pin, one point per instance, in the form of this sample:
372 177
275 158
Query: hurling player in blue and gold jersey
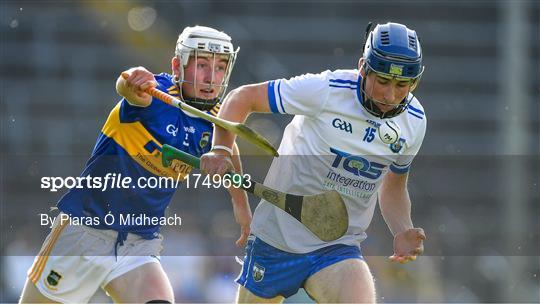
101 250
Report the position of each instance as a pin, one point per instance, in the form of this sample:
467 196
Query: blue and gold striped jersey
129 145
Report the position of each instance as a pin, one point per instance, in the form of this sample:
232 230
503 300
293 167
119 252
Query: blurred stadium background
475 184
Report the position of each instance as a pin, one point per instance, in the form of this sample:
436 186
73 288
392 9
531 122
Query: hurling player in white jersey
354 131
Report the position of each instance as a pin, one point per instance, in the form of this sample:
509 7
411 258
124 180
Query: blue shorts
269 272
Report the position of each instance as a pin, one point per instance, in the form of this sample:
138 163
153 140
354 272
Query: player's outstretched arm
236 107
395 206
132 87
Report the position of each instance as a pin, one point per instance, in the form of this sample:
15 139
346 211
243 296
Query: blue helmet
393 50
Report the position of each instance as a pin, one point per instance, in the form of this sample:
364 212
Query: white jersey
332 143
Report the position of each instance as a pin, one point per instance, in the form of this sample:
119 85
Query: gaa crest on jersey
53 279
258 272
396 147
342 125
205 138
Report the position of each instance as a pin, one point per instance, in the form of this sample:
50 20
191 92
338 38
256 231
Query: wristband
223 147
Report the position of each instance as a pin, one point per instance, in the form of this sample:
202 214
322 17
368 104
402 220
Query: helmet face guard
203 42
391 51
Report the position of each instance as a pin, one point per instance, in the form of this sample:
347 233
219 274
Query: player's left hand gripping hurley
324 214
240 129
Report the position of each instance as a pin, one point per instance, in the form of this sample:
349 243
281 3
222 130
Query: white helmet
200 39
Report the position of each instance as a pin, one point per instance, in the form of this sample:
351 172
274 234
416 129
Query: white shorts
75 260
